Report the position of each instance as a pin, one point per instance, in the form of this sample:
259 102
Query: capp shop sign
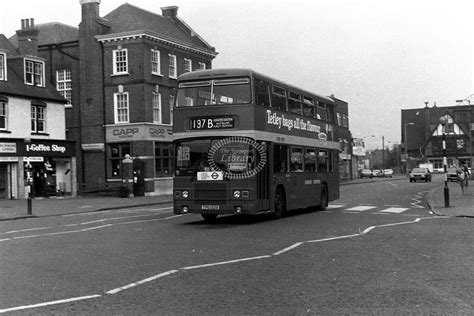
45 148
125 132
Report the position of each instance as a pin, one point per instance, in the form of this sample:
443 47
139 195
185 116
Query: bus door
302 191
264 184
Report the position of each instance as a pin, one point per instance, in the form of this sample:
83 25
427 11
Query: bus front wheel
323 199
279 203
209 217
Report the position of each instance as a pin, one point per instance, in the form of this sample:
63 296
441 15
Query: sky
380 56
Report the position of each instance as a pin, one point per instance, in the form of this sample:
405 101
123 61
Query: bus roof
236 72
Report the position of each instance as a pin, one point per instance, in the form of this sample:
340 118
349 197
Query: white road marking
74 299
119 289
334 206
86 223
332 238
394 210
287 249
392 184
360 208
224 262
25 230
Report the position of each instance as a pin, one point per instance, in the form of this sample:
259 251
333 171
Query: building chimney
171 11
28 38
90 9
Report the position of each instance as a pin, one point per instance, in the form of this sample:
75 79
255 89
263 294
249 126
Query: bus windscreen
215 92
232 158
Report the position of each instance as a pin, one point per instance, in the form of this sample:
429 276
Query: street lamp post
406 146
443 120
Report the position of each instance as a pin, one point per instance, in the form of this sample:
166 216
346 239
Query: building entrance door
3 181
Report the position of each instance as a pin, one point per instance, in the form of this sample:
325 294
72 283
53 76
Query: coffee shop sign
45 148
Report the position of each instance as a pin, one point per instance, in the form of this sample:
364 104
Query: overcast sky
379 56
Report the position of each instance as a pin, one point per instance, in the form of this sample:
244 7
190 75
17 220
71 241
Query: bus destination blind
211 123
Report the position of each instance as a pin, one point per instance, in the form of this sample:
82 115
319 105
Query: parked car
388 173
378 173
451 174
420 174
366 173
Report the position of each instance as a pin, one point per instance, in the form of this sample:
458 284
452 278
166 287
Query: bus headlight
185 194
236 194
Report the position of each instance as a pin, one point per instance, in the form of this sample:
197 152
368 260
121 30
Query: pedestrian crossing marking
360 208
394 210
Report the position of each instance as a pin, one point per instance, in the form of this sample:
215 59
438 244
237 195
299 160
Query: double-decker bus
249 144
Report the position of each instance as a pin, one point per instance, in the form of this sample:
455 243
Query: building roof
127 18
52 33
7 46
425 121
15 85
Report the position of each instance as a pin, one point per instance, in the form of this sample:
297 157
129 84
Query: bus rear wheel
279 204
323 200
209 217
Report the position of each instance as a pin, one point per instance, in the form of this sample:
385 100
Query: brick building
422 135
347 161
119 74
34 153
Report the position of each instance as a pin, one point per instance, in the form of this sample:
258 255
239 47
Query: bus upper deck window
308 106
262 90
231 91
279 98
194 93
294 103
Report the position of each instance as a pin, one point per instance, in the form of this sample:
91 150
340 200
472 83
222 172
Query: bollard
30 208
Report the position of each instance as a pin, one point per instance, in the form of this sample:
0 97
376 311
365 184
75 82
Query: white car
388 173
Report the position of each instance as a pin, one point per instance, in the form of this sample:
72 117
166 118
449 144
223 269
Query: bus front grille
210 192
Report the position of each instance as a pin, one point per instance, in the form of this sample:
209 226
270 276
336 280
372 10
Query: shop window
163 160
280 158
117 154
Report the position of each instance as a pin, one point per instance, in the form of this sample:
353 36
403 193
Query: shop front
150 148
42 168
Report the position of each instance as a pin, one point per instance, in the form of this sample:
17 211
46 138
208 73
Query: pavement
42 207
461 205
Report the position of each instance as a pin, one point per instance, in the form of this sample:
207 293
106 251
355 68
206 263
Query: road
377 250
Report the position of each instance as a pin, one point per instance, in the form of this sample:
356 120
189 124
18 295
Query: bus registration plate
208 207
